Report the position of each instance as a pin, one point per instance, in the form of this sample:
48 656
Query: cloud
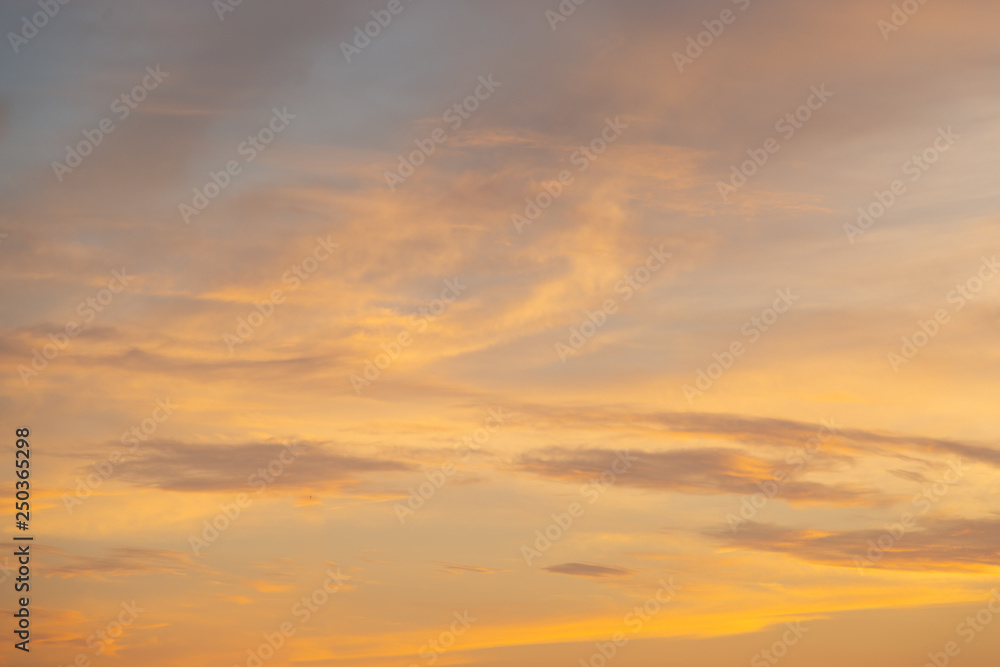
943 544
763 431
589 570
123 562
176 466
698 471
458 569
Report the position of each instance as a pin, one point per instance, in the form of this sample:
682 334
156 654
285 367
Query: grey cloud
699 471
123 561
932 544
588 570
176 466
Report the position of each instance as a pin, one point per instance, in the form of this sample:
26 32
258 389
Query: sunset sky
502 329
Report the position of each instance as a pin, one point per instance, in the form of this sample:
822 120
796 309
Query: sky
410 332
